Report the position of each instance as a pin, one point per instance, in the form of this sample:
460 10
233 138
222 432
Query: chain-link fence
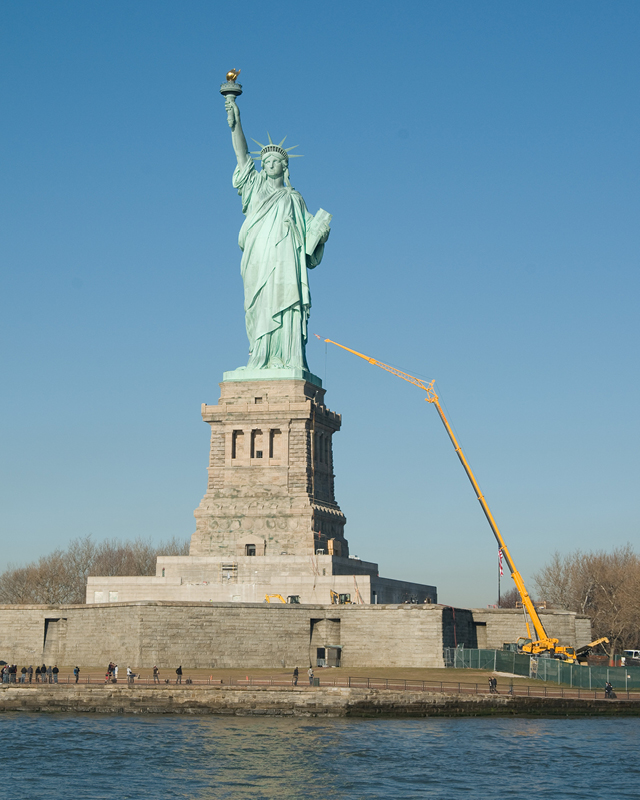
544 669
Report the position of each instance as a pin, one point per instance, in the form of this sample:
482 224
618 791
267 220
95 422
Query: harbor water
91 757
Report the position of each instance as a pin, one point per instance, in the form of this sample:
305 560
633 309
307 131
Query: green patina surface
280 241
266 374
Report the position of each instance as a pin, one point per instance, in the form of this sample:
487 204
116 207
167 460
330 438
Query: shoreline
296 702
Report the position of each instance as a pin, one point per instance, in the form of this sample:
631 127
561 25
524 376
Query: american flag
500 561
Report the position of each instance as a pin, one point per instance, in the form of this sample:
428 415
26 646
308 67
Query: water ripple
99 757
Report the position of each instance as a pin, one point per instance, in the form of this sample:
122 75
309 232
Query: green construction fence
544 669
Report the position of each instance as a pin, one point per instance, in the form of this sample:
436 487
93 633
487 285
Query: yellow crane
543 643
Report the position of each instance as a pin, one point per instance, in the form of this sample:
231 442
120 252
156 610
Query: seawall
313 702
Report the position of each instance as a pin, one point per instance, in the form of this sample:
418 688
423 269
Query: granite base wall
494 626
231 635
221 634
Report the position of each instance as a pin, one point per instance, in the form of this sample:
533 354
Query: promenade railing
505 686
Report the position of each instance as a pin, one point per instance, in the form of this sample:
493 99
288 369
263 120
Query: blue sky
480 160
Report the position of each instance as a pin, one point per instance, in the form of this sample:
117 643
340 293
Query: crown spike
270 139
282 142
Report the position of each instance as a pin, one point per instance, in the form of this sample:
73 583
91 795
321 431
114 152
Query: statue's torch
231 88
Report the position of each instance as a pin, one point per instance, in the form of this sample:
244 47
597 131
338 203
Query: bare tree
509 599
61 577
604 586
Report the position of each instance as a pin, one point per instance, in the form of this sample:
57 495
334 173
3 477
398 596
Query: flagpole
499 571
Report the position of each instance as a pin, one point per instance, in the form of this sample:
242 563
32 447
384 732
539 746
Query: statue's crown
258 155
274 148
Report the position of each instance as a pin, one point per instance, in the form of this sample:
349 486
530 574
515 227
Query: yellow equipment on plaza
269 597
543 643
292 599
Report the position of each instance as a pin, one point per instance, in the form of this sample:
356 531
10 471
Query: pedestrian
179 674
49 674
115 673
5 674
310 674
156 675
13 673
608 690
43 673
23 675
30 672
295 676
55 672
38 674
76 673
130 676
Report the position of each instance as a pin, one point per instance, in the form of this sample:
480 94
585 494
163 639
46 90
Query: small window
113 597
236 444
163 572
274 443
249 549
257 400
98 597
256 443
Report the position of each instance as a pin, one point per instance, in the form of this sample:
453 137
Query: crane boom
544 641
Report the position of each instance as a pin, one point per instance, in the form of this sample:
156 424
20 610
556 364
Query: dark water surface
89 756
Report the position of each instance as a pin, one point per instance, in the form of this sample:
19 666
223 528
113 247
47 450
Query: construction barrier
545 669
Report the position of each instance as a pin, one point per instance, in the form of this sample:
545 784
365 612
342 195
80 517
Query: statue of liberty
280 240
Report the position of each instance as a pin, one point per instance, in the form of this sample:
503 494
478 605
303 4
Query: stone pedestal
271 484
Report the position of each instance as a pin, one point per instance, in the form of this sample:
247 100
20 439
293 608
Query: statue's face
273 165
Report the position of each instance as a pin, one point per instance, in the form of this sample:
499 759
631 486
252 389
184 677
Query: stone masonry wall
253 634
22 632
391 636
507 625
224 634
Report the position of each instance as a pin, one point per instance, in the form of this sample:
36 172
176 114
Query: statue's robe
274 270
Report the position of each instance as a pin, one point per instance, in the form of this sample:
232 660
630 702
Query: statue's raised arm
237 134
